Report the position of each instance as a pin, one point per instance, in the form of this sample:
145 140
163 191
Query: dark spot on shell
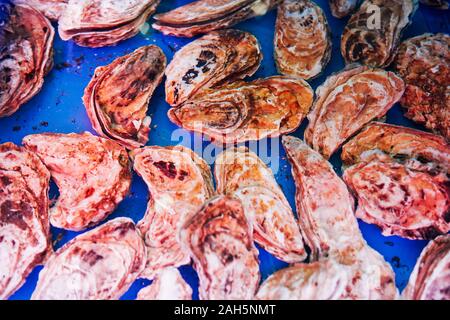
167 168
91 257
11 212
190 74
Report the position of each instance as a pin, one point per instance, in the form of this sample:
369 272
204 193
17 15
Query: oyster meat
403 190
424 64
52 9
244 111
219 238
97 265
167 285
342 8
179 182
216 58
24 228
430 279
373 33
26 56
117 97
93 175
302 39
202 16
99 23
241 174
346 102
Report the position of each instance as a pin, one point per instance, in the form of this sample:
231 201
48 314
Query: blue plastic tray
58 108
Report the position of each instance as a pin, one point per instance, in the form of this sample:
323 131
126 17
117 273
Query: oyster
302 39
373 33
342 8
246 111
403 190
168 285
117 97
202 16
24 228
439 4
430 279
93 175
52 9
26 56
179 182
216 58
97 265
346 102
219 238
424 64
99 23
241 174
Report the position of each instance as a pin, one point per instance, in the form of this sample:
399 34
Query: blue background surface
58 108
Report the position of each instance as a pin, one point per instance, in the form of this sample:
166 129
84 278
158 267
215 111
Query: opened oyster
346 102
117 97
216 58
246 111
219 238
99 23
302 39
26 56
400 177
167 285
241 174
202 16
179 182
342 8
373 33
97 265
439 4
424 64
52 9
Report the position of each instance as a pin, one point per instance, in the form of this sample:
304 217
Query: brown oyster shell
365 42
216 58
302 39
117 97
342 8
52 9
347 101
424 64
167 285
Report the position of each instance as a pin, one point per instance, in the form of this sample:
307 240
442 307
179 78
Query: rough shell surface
52 9
342 8
167 285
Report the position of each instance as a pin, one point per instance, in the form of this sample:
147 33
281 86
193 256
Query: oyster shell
430 279
168 285
346 102
241 174
202 16
404 191
52 9
97 265
342 8
219 238
216 58
246 111
373 33
179 182
26 56
302 39
438 4
117 97
424 64
99 23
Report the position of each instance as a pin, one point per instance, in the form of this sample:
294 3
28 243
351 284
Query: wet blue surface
58 108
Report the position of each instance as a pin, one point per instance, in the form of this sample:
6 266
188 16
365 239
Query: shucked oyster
216 58
202 16
373 33
52 9
302 39
246 111
400 177
424 64
342 8
346 102
98 23
117 97
26 56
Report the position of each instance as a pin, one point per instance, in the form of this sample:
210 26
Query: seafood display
373 33
400 177
424 64
342 8
26 56
217 58
52 9
98 265
92 173
202 16
167 285
244 111
117 97
179 182
346 102
302 39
